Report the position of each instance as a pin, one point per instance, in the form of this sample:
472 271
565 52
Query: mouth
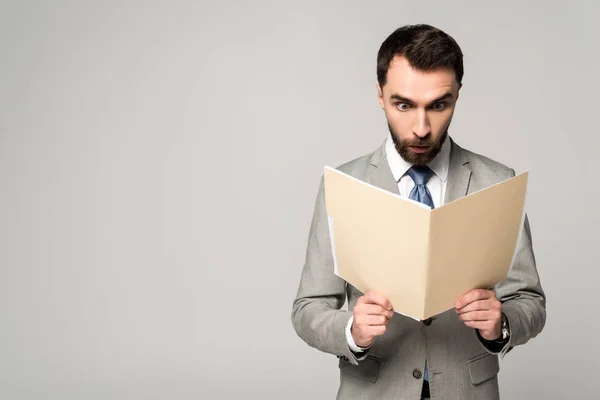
419 149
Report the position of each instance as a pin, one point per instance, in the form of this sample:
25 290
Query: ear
380 95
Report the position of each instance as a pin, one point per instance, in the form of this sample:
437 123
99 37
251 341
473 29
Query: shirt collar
439 165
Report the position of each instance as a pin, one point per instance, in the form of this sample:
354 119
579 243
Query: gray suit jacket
460 366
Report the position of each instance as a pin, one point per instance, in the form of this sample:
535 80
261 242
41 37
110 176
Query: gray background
159 163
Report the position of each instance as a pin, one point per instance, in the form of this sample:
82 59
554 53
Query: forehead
404 80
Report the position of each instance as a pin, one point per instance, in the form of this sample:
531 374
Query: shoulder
359 167
356 167
482 165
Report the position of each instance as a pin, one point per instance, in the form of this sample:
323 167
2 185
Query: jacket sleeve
521 294
317 316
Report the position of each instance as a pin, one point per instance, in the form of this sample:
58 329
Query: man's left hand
480 309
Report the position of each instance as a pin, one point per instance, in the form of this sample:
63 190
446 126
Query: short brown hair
424 46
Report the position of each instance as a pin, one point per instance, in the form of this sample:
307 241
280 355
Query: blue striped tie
420 174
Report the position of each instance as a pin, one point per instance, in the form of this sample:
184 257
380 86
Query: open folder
422 260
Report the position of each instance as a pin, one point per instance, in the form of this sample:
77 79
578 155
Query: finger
375 330
375 298
369 332
371 320
478 305
473 295
481 305
479 316
375 309
481 325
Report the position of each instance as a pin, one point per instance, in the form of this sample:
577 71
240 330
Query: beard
403 147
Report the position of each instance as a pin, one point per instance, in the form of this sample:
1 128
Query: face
418 106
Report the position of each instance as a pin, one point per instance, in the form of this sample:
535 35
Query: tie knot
420 174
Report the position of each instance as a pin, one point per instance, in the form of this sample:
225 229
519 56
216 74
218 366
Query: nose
421 127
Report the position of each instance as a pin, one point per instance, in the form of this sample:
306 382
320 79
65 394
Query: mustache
424 142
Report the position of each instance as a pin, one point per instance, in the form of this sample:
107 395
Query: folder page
472 242
380 240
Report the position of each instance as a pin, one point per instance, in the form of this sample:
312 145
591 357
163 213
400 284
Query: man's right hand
372 313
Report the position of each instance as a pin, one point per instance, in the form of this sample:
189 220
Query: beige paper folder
422 260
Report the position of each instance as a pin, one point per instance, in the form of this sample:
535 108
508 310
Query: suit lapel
380 173
459 174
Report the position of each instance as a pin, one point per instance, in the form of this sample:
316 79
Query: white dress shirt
436 185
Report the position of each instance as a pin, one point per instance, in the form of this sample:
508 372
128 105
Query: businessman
382 354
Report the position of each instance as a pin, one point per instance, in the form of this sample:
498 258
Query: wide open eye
439 106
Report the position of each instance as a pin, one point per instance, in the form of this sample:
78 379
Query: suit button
427 322
417 374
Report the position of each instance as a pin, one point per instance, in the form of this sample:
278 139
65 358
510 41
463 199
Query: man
382 354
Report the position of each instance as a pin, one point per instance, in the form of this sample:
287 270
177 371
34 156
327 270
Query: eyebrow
403 99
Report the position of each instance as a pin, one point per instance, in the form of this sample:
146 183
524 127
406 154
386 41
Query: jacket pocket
367 369
482 368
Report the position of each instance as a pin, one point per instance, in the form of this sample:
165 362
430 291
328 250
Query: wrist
355 348
501 333
359 344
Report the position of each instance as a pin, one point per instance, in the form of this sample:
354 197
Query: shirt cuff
359 352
